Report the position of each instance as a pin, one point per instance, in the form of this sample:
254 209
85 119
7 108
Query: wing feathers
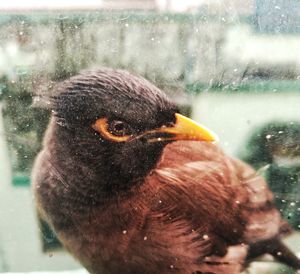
222 194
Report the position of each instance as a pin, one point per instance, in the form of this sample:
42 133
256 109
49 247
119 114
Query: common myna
132 186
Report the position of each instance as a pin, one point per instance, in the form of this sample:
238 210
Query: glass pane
233 66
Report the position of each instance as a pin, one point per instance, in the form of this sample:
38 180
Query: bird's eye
119 128
116 131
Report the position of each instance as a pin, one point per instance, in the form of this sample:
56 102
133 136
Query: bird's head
118 123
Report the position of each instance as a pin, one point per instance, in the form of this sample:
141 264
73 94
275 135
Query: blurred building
278 16
211 6
232 7
129 4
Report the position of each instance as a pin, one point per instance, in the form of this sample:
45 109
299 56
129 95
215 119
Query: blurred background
233 65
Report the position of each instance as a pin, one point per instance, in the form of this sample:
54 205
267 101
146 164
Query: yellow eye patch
102 127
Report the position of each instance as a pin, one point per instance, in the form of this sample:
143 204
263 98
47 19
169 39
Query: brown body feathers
139 207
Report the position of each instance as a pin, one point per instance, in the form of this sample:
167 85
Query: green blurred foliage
277 144
24 125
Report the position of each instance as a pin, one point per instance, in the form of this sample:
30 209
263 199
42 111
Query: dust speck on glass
232 65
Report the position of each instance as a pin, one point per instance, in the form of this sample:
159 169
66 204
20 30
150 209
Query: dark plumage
128 191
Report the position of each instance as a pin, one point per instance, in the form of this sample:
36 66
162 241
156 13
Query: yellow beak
187 129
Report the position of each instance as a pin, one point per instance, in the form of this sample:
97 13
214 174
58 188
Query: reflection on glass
232 65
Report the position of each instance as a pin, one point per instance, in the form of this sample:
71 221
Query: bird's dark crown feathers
114 94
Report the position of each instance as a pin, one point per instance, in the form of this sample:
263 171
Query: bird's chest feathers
106 232
129 231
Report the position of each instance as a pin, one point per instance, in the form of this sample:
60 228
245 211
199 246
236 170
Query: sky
46 4
176 5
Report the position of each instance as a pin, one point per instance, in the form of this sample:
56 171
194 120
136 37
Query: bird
130 185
